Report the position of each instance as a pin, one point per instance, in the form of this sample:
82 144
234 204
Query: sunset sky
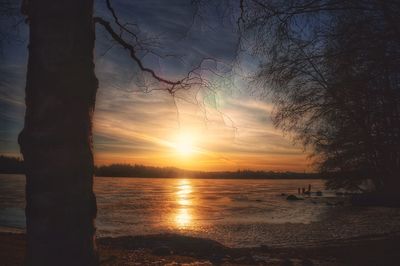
226 129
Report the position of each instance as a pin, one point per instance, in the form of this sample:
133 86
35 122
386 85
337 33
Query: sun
185 144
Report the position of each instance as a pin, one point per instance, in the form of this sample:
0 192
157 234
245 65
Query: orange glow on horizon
189 142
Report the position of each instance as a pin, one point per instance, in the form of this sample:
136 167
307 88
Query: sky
225 126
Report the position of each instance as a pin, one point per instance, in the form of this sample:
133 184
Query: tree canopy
332 68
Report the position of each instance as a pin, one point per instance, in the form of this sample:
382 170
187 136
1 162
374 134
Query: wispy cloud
229 129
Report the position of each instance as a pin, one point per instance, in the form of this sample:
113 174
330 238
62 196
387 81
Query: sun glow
184 144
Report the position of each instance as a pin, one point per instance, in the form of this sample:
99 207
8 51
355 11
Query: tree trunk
56 141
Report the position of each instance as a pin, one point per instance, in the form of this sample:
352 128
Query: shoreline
174 249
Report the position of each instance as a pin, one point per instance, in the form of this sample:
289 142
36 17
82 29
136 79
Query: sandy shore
173 250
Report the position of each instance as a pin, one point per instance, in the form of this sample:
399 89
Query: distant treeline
13 165
127 170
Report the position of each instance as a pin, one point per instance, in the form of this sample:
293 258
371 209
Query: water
234 212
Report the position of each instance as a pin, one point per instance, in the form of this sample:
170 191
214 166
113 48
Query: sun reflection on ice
183 216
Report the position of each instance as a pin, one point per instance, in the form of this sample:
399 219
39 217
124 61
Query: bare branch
106 25
122 27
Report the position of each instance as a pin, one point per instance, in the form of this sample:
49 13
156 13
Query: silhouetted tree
56 141
332 68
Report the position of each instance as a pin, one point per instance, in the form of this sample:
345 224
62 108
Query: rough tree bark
56 141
